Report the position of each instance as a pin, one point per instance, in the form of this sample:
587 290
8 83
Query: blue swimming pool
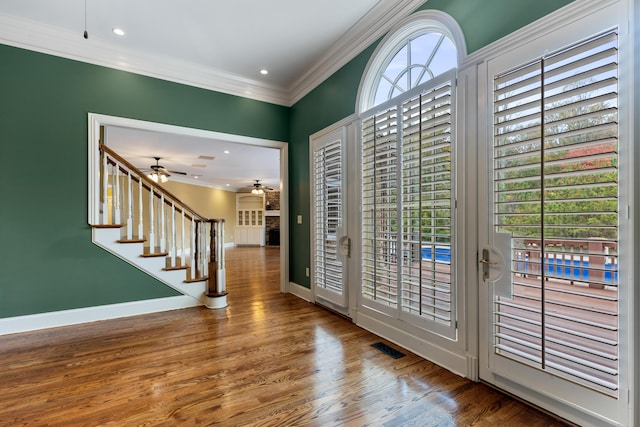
566 269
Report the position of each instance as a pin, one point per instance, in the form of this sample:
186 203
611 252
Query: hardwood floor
269 359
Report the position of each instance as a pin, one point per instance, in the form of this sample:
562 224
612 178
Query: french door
331 242
550 257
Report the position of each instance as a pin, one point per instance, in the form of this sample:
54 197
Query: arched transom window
426 45
420 59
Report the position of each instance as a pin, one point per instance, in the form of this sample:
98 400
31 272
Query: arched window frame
419 23
401 297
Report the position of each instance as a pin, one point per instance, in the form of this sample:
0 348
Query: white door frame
347 129
543 390
97 120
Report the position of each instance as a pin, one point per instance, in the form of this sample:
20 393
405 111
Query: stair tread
107 225
131 241
177 267
197 279
155 255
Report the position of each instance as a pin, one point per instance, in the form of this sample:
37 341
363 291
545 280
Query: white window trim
419 23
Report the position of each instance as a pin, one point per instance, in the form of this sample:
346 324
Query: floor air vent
388 350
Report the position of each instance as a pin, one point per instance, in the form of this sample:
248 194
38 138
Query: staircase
148 227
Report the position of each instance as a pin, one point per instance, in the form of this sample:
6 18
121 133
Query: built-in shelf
250 219
275 212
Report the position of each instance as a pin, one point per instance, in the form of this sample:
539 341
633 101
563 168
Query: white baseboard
33 322
300 291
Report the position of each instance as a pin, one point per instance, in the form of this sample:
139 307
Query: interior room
226 205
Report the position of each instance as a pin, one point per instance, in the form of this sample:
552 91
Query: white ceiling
232 171
215 44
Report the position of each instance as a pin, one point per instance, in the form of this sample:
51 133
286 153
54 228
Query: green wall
47 260
482 22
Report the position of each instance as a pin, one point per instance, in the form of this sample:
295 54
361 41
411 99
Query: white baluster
222 279
129 208
203 257
152 236
173 234
140 213
192 251
163 234
105 189
182 254
116 194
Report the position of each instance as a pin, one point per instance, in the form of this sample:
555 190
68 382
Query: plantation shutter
380 208
327 193
427 205
556 193
407 208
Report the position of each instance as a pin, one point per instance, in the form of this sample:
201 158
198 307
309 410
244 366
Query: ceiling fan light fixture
257 191
155 177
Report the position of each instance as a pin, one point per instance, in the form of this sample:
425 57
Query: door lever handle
486 264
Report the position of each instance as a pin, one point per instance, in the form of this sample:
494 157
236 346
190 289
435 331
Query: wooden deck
267 360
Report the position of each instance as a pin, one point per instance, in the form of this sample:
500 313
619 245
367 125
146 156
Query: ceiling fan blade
178 172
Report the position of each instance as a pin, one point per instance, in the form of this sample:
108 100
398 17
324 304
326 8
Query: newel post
216 294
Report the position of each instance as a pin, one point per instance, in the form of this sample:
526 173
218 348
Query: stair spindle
173 234
140 211
152 236
129 208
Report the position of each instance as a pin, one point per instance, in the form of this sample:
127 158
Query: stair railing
147 213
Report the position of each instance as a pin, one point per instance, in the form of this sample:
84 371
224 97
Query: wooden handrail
150 183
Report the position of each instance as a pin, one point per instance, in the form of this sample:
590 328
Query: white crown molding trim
384 16
34 322
54 41
558 18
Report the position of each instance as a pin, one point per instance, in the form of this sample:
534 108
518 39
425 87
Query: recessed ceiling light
196 176
228 185
118 31
226 151
264 72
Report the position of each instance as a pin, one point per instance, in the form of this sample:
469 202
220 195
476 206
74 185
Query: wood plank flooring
268 359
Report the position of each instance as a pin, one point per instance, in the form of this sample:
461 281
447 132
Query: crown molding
384 16
66 44
54 41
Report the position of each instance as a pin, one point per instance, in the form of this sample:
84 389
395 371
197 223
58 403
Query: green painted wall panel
485 21
482 22
47 260
309 115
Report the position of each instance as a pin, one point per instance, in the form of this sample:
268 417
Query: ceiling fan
259 188
158 172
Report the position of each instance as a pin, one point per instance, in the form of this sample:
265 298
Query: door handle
344 246
486 264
